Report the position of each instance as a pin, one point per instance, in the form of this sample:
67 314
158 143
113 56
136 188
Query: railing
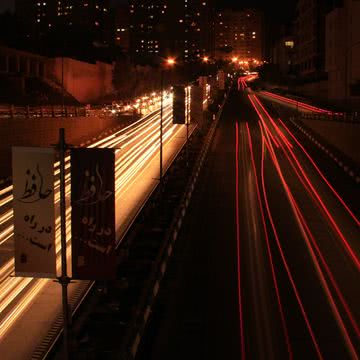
137 326
11 111
338 117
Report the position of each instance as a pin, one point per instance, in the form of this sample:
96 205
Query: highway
269 261
136 146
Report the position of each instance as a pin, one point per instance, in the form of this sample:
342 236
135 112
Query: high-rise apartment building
195 20
165 27
343 54
310 36
147 27
121 34
239 34
283 53
75 23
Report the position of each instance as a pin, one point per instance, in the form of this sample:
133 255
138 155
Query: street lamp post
187 118
170 62
161 124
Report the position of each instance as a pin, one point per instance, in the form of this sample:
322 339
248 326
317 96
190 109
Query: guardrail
52 111
11 111
137 327
339 117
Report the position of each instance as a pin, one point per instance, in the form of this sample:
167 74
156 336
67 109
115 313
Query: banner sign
179 104
93 214
203 84
221 79
34 212
197 105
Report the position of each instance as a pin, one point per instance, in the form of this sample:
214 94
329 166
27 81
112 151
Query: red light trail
285 263
275 137
242 337
281 310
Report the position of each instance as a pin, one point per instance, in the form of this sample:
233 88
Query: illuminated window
289 44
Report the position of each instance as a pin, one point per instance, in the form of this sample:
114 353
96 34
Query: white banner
221 79
34 212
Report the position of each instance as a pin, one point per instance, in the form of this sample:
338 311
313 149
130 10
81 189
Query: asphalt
284 309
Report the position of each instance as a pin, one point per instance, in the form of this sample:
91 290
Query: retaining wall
44 132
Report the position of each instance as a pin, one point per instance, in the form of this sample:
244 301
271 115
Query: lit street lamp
168 62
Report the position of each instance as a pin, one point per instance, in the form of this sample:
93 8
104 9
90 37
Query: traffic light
179 105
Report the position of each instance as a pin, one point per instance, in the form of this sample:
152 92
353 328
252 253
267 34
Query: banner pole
64 280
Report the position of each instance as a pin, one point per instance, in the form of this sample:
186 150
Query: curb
131 346
346 168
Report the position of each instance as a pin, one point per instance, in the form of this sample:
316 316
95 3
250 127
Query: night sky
6 5
281 11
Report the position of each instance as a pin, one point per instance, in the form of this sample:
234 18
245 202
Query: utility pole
64 280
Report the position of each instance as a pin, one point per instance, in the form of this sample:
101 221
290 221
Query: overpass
265 264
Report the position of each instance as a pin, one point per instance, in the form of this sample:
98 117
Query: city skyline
7 5
285 12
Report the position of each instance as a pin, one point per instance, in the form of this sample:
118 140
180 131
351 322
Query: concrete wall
23 63
335 53
44 132
316 91
343 54
84 81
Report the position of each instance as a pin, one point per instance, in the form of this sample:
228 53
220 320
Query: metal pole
346 80
62 85
161 126
64 279
187 125
297 108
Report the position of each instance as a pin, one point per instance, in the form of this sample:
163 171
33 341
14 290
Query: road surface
267 266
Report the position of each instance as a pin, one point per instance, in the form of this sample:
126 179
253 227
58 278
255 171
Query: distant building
70 24
121 30
310 37
196 28
343 52
283 54
167 27
239 34
147 26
